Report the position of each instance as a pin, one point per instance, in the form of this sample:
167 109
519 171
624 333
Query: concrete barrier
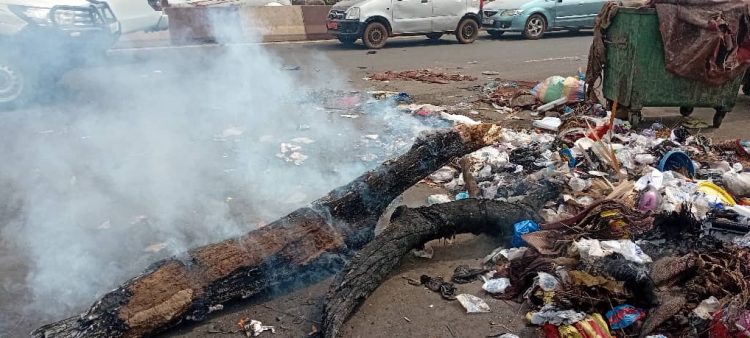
189 25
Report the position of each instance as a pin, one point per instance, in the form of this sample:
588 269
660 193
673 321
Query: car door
446 14
591 10
568 13
412 16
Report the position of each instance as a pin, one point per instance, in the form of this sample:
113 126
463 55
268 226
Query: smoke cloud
136 160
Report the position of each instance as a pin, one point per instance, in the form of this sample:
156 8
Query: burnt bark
306 244
411 228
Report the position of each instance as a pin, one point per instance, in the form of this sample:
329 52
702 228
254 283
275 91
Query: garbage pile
422 75
649 238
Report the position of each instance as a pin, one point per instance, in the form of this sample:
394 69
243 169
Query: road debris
473 304
254 328
422 75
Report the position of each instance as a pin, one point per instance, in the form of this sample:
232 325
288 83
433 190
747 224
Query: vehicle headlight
352 13
37 15
65 18
511 12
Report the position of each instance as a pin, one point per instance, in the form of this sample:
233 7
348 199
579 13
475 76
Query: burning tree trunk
295 248
410 228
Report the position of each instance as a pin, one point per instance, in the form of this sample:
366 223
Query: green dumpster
635 75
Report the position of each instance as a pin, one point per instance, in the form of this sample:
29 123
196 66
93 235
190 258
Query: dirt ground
396 308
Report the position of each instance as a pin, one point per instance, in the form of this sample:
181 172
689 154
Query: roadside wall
188 25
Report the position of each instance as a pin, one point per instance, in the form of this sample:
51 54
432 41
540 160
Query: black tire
375 35
434 36
686 111
347 40
467 31
746 89
496 34
17 84
719 116
535 27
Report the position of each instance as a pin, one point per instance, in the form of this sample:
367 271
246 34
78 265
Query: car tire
496 34
434 36
467 31
347 40
17 84
535 27
375 35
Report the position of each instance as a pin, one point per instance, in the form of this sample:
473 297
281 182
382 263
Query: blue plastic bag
462 196
622 316
521 228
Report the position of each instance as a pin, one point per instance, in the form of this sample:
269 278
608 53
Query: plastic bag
737 183
473 304
579 184
496 285
548 123
593 248
556 87
521 228
623 316
444 174
547 282
438 199
707 307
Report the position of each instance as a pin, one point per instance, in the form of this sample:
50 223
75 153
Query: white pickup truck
41 39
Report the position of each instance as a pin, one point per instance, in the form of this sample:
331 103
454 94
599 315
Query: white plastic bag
473 304
737 183
547 282
438 199
496 285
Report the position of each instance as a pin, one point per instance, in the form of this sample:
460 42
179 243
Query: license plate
488 21
332 25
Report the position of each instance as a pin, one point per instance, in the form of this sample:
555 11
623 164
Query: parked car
139 15
535 17
375 20
41 39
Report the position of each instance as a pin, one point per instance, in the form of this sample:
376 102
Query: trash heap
648 238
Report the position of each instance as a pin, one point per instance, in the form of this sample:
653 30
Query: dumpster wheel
719 116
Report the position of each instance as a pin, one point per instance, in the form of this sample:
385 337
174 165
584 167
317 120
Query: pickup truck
41 39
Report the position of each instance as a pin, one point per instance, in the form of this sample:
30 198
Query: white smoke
128 168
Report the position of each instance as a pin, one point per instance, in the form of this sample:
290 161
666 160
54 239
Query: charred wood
308 242
411 228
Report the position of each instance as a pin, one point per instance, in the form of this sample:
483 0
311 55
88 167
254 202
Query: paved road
512 56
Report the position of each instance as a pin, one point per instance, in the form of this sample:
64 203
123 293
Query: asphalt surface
146 76
511 57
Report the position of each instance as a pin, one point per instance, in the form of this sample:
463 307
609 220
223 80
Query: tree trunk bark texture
306 245
411 228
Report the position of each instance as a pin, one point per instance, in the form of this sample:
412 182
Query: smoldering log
411 228
310 242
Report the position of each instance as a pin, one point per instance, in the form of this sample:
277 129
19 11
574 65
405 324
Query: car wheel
496 34
535 27
16 84
467 31
375 35
347 40
434 36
